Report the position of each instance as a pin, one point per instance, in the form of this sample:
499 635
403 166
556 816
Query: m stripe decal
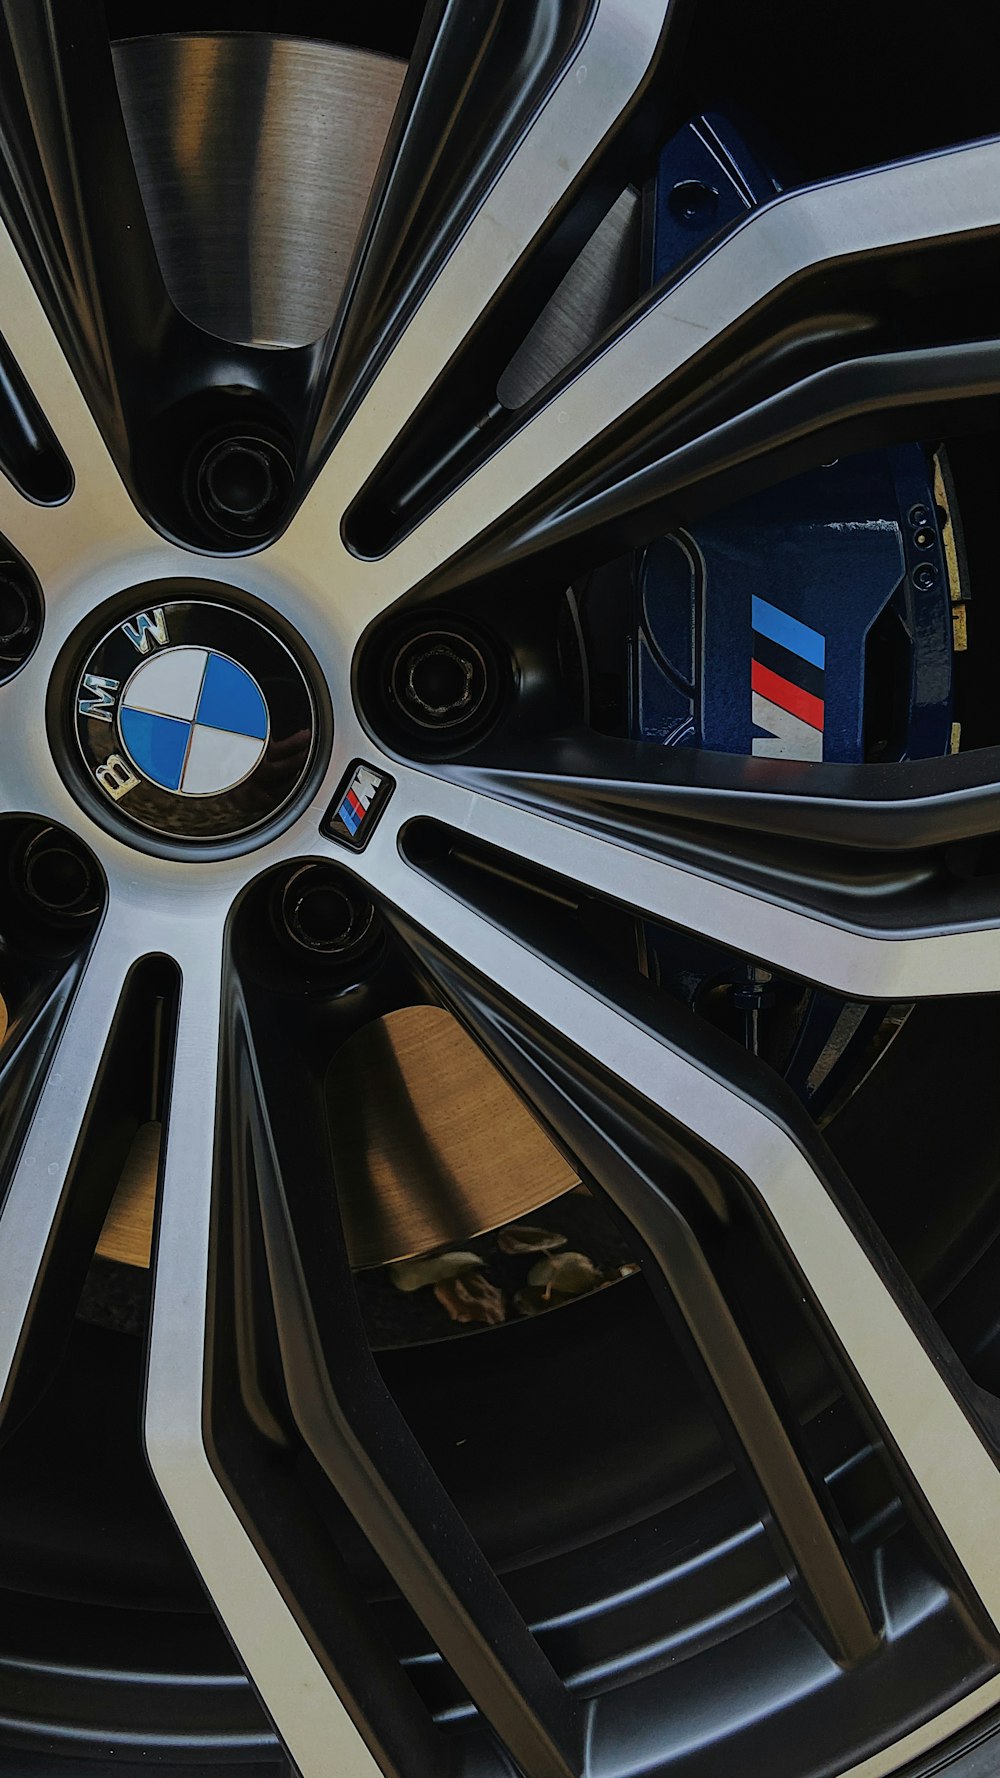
798 638
786 685
788 697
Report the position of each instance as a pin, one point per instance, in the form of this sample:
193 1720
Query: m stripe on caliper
786 680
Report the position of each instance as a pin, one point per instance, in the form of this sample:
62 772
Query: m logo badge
357 805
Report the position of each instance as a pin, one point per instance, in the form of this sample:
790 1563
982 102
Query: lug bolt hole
243 484
58 878
439 679
15 614
20 617
324 912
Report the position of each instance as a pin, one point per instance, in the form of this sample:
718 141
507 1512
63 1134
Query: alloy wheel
327 657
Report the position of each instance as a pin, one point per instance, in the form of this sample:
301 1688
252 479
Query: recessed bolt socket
20 617
925 576
57 878
325 912
242 485
432 684
440 679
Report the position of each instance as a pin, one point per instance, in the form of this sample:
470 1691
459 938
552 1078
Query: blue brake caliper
812 621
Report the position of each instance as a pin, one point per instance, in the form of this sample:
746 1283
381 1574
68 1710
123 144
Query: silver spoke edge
940 1447
39 1177
859 962
99 517
940 196
316 1728
599 80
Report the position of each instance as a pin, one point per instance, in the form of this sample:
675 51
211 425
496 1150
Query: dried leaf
416 1274
530 1301
571 1274
527 1237
472 1298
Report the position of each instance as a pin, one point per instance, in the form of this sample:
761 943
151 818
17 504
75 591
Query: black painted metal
906 846
338 1403
130 1081
290 1371
30 456
653 1174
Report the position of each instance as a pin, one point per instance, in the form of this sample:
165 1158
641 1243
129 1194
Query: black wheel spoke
638 1164
895 850
72 202
71 1108
505 154
299 1370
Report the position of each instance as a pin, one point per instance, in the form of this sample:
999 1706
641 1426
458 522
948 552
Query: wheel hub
193 721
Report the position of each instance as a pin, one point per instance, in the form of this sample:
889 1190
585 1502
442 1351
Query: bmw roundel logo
195 720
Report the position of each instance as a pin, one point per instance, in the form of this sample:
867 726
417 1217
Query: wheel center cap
194 720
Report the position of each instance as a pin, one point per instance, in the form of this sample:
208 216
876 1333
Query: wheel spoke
279 1657
71 195
902 930
265 1337
616 1075
424 212
58 1071
605 783
585 443
98 512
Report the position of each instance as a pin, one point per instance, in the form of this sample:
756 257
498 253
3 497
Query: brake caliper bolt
694 202
925 577
920 515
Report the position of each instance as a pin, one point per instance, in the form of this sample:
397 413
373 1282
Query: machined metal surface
255 156
432 1147
97 546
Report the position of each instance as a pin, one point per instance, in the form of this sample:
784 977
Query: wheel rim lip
331 774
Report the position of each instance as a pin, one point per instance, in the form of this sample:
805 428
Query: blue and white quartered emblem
195 720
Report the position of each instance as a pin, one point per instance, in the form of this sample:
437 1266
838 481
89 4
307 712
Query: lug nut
243 484
440 679
58 878
324 912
